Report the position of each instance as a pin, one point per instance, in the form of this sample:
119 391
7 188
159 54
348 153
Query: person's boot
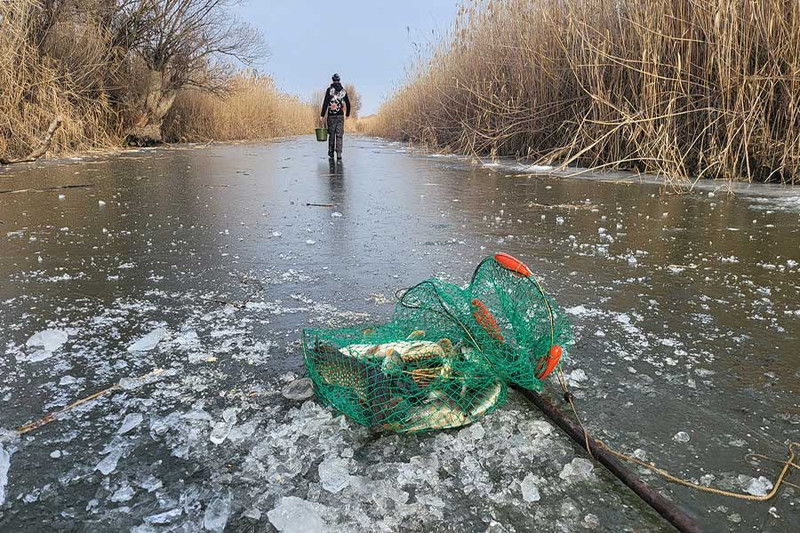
330 155
338 156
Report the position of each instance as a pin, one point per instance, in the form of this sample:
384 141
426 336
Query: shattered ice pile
149 341
45 343
295 515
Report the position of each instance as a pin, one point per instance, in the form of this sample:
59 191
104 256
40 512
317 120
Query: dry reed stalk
684 88
252 109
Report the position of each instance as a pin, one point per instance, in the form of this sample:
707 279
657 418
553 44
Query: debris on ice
578 469
5 464
109 463
131 421
295 515
681 436
46 342
530 491
299 389
334 474
149 341
760 486
217 513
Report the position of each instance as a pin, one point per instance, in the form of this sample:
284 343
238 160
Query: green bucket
322 134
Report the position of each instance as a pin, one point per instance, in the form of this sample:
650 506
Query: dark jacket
336 99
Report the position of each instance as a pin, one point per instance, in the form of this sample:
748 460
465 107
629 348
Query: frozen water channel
208 262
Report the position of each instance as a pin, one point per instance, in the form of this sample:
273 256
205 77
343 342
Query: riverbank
682 90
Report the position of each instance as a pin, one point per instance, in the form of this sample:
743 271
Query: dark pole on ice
671 512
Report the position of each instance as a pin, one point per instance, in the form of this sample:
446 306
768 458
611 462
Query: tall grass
60 76
684 88
252 108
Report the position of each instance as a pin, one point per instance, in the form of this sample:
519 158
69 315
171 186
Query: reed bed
687 89
66 81
251 108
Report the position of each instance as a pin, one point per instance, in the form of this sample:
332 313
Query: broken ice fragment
579 468
295 515
759 487
109 463
47 342
681 436
217 513
530 492
223 427
165 517
149 341
123 494
334 474
5 464
130 422
299 389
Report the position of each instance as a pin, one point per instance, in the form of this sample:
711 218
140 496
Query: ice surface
295 515
131 421
5 464
149 341
530 491
334 474
578 469
46 342
299 389
217 513
109 463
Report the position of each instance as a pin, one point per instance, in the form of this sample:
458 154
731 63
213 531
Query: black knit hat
336 77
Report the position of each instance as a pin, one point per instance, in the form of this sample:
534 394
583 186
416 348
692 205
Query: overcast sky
370 43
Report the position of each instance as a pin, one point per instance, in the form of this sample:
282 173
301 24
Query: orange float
513 264
485 318
548 364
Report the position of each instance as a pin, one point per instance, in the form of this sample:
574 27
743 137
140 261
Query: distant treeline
114 70
684 88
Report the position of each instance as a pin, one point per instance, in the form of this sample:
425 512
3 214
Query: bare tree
172 44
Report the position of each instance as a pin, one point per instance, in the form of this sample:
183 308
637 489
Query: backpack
335 104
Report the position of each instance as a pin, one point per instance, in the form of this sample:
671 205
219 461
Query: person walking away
336 100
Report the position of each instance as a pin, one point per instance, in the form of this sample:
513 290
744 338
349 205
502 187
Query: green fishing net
447 356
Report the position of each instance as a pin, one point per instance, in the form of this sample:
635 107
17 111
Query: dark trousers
335 134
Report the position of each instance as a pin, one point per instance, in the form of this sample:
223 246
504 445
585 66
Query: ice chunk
109 463
759 487
123 494
5 464
223 427
217 513
165 517
149 341
579 468
55 454
46 342
334 474
295 515
681 436
130 422
299 389
530 492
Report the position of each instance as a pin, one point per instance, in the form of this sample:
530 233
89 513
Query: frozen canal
208 262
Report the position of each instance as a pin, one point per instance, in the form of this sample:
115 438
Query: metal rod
666 508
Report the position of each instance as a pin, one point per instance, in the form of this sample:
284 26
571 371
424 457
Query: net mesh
447 356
